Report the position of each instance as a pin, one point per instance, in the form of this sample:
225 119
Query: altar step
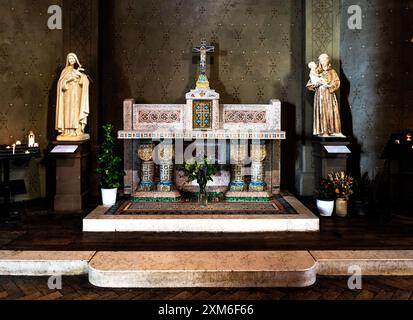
202 269
301 221
45 263
223 269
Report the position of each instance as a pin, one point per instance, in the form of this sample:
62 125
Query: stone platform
222 269
44 263
168 269
247 217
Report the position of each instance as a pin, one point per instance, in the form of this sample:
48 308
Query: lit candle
27 152
18 143
31 139
8 147
14 148
35 145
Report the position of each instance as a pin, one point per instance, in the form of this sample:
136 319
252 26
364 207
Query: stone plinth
303 221
371 262
44 263
202 269
71 177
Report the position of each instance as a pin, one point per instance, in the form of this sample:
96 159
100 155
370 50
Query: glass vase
202 196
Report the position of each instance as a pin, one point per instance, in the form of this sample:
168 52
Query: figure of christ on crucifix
203 49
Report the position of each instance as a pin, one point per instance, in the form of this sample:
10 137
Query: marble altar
244 140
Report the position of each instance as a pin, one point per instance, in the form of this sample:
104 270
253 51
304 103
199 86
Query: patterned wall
30 56
377 68
148 44
81 35
146 54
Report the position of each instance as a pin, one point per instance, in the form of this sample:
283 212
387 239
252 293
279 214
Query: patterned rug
277 206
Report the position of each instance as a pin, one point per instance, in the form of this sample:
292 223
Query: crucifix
203 49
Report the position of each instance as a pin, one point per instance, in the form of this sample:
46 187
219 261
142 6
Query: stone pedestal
166 169
238 152
258 155
327 162
145 153
72 174
238 177
166 166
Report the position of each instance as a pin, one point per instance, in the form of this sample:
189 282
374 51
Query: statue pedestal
330 155
83 137
71 172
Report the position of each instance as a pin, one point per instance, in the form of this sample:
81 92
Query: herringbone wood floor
326 288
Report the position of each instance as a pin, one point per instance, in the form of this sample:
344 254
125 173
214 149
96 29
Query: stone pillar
145 153
238 153
258 154
166 166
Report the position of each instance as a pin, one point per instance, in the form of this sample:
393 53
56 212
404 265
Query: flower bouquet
201 171
344 188
343 184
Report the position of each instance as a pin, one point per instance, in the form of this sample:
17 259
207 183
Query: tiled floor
326 288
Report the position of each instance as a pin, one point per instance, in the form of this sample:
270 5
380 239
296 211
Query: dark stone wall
377 76
142 49
30 64
147 51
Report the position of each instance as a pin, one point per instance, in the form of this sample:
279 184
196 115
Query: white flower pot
109 196
325 208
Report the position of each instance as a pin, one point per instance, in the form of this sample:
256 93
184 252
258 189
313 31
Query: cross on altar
203 49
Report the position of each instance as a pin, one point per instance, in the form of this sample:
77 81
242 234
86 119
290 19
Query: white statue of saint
72 107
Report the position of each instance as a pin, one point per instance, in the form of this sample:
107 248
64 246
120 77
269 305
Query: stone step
369 262
185 269
304 221
44 263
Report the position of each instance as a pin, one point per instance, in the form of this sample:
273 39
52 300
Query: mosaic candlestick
258 154
145 153
166 166
239 153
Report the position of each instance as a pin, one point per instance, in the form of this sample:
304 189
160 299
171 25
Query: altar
243 141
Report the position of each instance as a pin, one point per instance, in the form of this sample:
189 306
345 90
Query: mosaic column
166 166
258 154
238 152
145 153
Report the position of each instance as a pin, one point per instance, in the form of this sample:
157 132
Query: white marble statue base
331 136
82 137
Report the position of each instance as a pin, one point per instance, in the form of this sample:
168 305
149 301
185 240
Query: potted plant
109 167
362 189
325 198
201 171
343 187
